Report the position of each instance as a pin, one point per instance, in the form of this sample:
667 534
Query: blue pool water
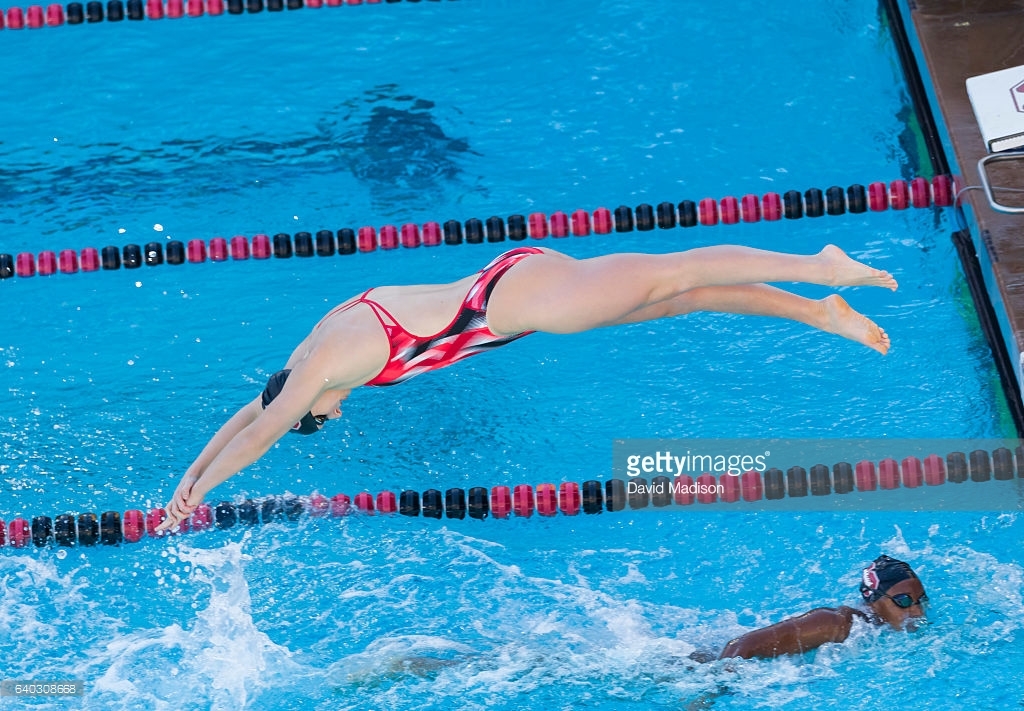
430 111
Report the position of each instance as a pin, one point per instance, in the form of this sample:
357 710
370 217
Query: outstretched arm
178 507
238 443
245 438
795 635
253 430
238 422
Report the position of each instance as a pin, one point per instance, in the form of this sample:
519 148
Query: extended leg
724 265
558 294
831 314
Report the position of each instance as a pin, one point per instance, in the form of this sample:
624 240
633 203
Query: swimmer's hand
182 504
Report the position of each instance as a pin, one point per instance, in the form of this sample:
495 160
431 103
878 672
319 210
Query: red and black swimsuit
466 335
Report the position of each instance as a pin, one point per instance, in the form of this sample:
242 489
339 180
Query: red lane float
580 223
730 210
547 500
218 249
730 488
522 500
683 490
753 488
410 236
602 221
340 505
569 498
537 225
15 19
68 261
261 247
913 473
707 489
364 502
386 502
18 533
707 211
559 224
25 265
196 251
899 195
432 234
771 206
942 190
134 525
888 474
239 247
367 239
202 517
47 264
934 470
501 501
388 237
865 475
318 506
750 208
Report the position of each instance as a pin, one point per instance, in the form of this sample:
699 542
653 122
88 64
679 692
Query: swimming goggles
309 424
904 601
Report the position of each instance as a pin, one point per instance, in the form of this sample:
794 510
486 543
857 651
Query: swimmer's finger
165 524
173 516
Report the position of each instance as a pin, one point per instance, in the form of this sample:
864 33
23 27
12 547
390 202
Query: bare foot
844 321
844 271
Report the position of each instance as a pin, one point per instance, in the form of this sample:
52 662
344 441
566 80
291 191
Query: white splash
219 661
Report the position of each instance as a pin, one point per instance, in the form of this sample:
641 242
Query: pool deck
960 39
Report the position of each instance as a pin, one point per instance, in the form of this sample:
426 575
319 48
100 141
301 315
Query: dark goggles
309 424
903 600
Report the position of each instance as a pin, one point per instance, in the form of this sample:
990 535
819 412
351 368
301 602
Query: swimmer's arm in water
795 635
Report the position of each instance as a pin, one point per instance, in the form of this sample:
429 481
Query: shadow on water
392 143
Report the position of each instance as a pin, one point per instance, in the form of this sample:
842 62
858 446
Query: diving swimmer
373 339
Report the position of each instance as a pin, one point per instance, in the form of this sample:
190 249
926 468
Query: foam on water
214 658
409 618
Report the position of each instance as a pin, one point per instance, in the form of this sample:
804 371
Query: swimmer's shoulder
842 614
828 624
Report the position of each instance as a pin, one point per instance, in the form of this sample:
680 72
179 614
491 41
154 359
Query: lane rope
523 500
35 17
940 191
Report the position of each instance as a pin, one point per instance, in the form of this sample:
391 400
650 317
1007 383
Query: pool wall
953 43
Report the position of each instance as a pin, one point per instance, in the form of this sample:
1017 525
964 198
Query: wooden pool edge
957 40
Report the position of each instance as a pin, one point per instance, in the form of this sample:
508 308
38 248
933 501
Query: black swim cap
275 384
882 574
